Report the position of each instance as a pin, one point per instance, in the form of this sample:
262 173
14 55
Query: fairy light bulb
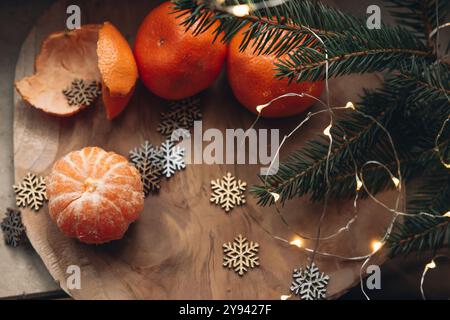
359 183
376 245
447 214
350 105
395 181
261 107
285 297
326 131
275 196
431 265
296 242
240 10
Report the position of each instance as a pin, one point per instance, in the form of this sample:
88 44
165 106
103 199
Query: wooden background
174 250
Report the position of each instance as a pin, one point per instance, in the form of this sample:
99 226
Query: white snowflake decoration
310 283
146 153
171 158
240 255
228 192
31 192
146 160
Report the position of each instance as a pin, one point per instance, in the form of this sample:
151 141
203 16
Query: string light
428 266
359 184
436 30
432 264
242 10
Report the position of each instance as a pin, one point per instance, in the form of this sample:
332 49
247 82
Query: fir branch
287 28
303 171
420 16
426 83
412 105
422 232
273 30
412 165
361 52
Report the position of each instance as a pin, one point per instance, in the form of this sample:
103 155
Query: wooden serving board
174 250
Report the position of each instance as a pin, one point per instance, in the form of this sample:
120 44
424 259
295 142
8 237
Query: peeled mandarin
94 195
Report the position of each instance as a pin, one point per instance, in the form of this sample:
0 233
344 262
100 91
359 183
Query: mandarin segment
94 195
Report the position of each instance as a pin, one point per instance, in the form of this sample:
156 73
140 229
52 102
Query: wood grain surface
174 251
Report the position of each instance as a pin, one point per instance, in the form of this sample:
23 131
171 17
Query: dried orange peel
91 53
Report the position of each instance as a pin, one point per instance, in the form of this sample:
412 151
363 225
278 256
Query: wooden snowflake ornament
31 192
185 112
240 255
167 126
181 115
146 160
228 192
310 283
13 228
81 93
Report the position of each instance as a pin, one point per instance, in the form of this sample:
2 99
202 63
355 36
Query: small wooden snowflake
13 228
181 115
31 192
185 112
228 192
146 160
81 93
240 255
309 283
167 127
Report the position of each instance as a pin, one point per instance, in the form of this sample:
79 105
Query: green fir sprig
412 104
